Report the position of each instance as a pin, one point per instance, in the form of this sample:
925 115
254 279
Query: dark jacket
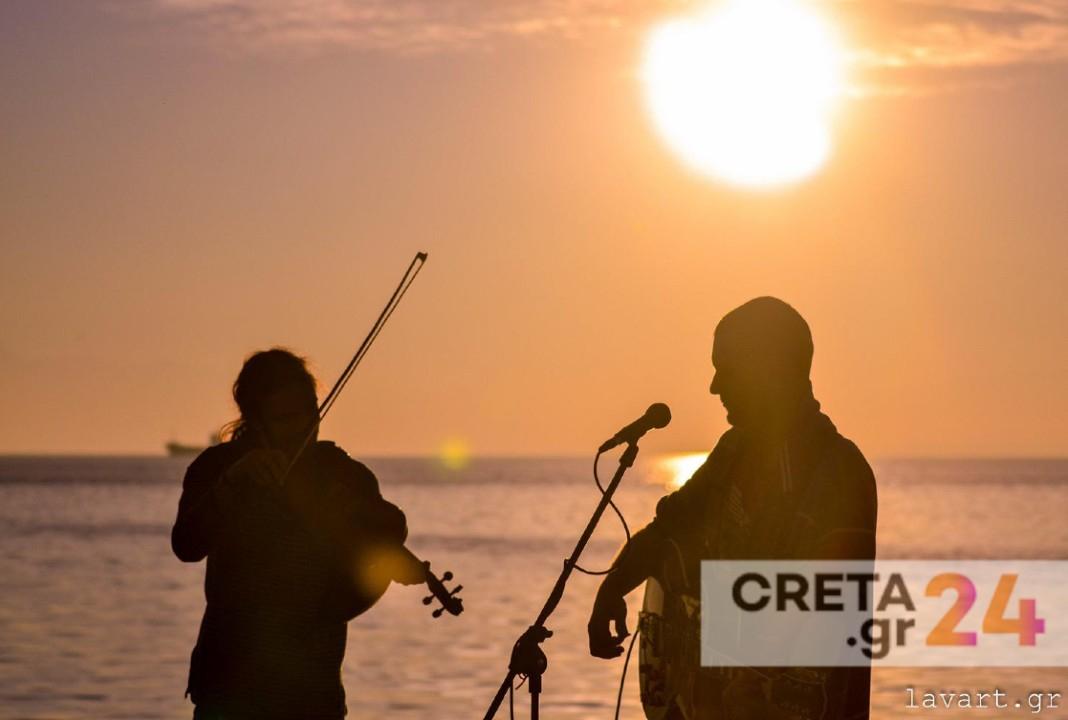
272 639
806 495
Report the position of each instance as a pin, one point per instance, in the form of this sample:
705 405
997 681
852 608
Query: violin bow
328 402
448 598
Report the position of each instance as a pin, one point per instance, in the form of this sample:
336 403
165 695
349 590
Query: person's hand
608 608
375 567
406 568
260 467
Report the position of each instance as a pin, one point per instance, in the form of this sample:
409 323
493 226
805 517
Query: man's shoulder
848 482
843 455
724 450
689 502
844 508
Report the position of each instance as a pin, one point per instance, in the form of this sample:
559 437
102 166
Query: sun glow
745 90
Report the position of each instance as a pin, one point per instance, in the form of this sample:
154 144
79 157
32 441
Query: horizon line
77 454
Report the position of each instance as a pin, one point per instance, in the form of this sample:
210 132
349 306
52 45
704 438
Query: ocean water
97 617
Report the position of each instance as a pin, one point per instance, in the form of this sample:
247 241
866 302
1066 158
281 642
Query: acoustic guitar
669 650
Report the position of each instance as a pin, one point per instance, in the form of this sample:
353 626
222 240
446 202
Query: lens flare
454 454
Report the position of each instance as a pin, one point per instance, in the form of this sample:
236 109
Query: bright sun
745 90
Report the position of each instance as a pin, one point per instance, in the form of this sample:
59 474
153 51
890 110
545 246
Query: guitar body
669 665
669 651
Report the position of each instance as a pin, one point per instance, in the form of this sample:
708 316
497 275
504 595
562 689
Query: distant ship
177 449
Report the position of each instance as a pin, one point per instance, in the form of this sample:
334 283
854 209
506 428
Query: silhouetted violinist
294 550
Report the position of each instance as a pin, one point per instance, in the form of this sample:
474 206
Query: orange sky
185 181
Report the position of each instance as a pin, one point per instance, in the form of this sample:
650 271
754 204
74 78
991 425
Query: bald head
762 355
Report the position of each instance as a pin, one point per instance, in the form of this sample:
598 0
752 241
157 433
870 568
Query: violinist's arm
376 519
380 528
199 513
383 525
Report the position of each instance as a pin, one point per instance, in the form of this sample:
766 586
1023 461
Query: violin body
399 564
373 576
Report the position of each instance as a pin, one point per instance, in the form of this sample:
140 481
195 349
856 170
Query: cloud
958 34
397 26
904 46
890 40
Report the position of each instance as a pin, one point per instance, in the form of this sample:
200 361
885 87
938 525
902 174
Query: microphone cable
619 514
626 664
637 629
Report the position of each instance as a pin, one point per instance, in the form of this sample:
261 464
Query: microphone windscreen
659 415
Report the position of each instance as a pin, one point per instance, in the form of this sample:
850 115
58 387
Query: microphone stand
527 656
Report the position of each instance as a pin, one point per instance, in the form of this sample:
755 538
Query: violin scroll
449 600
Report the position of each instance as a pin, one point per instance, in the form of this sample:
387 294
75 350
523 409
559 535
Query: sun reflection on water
681 467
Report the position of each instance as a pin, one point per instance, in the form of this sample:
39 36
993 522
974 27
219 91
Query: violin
374 580
343 514
450 603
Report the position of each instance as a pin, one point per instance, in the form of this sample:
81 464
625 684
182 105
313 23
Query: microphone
657 416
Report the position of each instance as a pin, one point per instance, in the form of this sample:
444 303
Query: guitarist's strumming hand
635 562
608 608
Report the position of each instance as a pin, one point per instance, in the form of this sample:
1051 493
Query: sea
97 616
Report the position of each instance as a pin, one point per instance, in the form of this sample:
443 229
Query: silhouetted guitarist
781 483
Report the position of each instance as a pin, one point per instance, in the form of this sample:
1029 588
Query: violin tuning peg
447 576
428 599
457 589
437 613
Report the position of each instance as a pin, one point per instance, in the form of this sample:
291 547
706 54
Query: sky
186 181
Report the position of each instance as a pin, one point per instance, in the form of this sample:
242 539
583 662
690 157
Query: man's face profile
735 381
753 382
